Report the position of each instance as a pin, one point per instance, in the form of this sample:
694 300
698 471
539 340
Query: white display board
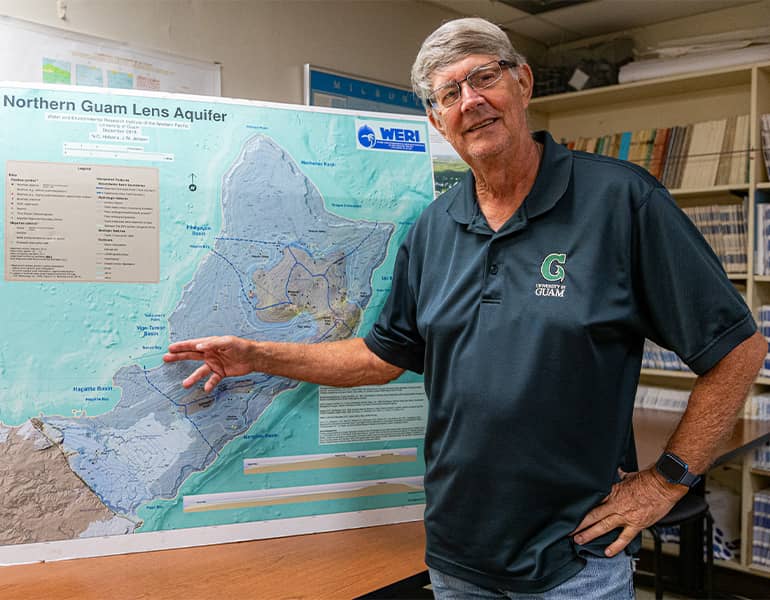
38 54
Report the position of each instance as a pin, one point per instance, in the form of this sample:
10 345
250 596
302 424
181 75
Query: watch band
689 479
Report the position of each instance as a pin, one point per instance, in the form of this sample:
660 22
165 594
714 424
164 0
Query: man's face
487 122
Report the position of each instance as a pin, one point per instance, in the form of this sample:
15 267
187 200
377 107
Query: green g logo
552 268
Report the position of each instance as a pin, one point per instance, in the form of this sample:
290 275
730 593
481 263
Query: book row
763 324
657 357
764 135
762 457
757 407
697 155
762 249
648 396
725 228
760 546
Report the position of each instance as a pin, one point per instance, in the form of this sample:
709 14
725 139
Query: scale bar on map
307 493
113 151
306 462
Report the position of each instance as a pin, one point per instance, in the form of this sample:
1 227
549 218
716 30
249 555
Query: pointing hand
223 356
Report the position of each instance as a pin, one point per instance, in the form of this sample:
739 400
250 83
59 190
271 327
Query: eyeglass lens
479 78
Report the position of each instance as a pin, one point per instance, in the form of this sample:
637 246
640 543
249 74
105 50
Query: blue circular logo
366 136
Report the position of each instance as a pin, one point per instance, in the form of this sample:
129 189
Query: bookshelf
671 102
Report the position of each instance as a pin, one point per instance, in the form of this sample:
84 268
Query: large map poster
131 220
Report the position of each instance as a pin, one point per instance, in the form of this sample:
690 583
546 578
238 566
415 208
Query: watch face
671 468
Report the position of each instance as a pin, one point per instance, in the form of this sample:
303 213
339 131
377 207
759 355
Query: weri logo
552 271
382 135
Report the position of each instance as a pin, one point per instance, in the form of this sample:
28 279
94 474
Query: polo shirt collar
551 182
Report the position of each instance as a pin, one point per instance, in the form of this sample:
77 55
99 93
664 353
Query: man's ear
436 121
526 83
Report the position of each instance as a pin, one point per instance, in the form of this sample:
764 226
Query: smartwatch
675 470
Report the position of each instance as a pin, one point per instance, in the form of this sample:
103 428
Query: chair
690 513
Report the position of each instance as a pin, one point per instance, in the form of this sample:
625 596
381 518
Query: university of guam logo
553 272
552 268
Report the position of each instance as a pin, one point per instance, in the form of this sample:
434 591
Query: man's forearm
714 403
345 363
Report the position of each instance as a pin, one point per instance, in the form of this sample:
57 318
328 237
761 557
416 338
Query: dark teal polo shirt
531 341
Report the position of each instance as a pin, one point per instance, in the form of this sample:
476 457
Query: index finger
180 355
185 345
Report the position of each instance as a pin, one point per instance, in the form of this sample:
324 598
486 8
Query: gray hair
455 40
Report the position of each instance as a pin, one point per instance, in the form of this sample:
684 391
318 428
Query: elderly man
525 294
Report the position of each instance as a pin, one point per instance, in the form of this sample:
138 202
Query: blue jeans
601 579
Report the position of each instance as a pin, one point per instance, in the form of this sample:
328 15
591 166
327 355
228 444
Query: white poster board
39 54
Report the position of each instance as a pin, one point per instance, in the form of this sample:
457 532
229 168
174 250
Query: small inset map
56 71
120 80
88 75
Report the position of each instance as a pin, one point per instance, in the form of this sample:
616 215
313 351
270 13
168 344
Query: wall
261 44
730 19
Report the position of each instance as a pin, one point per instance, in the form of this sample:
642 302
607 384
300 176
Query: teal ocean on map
212 217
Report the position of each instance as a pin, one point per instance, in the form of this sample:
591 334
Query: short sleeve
689 304
394 337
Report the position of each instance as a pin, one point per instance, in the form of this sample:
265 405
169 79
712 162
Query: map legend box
78 222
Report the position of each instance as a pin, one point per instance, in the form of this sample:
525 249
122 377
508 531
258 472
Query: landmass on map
281 268
300 284
42 498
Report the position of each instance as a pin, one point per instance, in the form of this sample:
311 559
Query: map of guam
280 268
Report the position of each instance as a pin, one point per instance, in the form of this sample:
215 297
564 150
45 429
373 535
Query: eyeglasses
482 77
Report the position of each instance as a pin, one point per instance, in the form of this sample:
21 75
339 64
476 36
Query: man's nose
469 98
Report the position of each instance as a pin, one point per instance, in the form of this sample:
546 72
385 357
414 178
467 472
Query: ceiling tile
607 16
497 12
542 31
536 7
593 18
602 16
